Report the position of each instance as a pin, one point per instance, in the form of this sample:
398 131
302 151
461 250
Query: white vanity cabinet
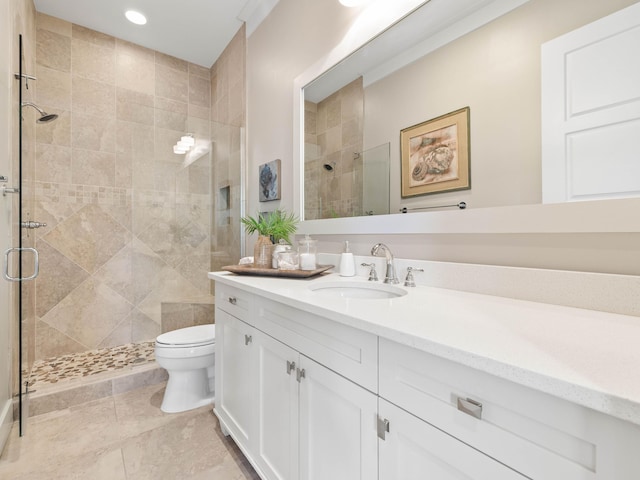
235 359
293 417
313 423
313 397
413 449
540 436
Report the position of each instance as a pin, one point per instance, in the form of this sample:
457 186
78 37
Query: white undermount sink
354 289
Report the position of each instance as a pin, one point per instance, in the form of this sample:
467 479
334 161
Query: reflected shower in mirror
435 61
356 185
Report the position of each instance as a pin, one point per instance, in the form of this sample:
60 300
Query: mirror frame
597 216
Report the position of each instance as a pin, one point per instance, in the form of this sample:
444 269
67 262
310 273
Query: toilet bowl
188 355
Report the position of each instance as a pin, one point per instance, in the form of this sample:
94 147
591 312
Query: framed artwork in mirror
269 181
435 155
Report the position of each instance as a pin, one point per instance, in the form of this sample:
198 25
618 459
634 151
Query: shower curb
53 397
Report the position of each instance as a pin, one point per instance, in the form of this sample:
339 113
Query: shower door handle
36 266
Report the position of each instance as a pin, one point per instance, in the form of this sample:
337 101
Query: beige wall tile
171 62
134 106
200 112
199 91
92 132
53 50
134 73
124 170
144 328
91 36
51 342
54 88
199 127
175 316
172 84
93 98
199 71
120 335
53 24
89 60
172 119
136 51
58 277
89 313
165 139
90 237
54 164
93 168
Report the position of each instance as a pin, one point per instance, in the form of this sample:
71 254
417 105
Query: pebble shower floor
81 365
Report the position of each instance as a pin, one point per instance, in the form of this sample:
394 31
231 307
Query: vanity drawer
534 433
350 352
234 301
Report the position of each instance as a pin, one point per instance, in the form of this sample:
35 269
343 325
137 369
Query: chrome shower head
329 166
44 116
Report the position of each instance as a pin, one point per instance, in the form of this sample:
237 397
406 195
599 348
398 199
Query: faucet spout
390 276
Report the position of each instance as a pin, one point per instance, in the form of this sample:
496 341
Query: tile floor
124 437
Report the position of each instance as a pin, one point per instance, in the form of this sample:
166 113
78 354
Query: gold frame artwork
434 155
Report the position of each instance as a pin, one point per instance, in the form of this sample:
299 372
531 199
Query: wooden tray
249 269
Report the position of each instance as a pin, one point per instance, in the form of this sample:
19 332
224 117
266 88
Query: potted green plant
271 229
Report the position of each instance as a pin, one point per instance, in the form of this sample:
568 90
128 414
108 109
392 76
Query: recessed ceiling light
135 17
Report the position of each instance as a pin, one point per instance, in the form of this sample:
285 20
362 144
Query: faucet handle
373 275
409 281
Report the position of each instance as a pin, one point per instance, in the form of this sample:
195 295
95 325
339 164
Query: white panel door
235 377
337 427
591 111
415 450
277 435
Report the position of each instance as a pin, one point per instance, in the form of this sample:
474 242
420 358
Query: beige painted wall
297 33
495 71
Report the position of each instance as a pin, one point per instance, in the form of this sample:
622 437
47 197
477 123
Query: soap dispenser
347 263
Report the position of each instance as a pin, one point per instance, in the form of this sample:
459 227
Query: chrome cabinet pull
383 428
36 266
232 300
247 339
291 366
300 374
470 407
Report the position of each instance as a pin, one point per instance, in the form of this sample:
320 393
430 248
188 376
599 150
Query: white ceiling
193 30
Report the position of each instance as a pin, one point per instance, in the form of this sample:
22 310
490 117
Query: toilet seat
188 337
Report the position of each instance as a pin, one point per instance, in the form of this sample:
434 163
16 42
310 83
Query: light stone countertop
586 357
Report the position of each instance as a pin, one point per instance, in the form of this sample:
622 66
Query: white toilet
188 355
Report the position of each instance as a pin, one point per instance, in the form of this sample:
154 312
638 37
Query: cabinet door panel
235 376
337 426
415 450
278 409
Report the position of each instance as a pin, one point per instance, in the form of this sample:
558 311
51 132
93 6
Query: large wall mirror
443 56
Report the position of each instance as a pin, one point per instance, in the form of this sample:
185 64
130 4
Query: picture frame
269 184
435 155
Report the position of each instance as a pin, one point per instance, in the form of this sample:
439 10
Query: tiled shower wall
129 223
333 135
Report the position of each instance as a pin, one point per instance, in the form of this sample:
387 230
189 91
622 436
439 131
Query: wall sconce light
184 144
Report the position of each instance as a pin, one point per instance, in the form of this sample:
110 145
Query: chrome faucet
390 276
